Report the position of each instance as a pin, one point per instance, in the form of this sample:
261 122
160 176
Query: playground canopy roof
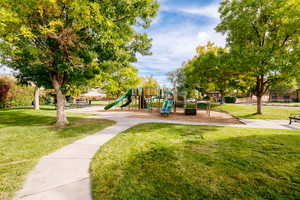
94 93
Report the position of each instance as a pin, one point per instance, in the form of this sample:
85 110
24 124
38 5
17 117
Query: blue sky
181 26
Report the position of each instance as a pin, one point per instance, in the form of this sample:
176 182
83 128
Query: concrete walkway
64 174
248 123
268 123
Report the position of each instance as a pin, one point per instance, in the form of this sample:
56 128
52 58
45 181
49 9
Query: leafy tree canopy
67 42
149 81
119 81
211 69
264 37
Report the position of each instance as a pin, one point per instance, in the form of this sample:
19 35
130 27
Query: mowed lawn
248 111
27 135
169 161
294 104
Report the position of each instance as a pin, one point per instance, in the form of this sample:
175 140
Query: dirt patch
202 116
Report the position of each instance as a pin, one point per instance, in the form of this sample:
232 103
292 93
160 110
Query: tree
212 68
175 77
263 35
149 81
36 101
64 43
120 81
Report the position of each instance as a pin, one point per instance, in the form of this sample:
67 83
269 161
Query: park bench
294 117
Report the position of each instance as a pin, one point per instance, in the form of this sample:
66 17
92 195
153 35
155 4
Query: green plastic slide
167 107
127 96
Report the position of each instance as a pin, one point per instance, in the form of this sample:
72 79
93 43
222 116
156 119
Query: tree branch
257 33
120 18
266 88
285 40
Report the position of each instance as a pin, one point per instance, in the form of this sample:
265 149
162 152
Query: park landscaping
164 161
26 136
249 111
57 50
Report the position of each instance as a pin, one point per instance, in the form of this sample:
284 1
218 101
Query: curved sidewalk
64 174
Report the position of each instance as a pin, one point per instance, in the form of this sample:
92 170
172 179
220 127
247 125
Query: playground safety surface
202 116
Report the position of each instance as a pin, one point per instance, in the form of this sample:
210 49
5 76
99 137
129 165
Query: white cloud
176 45
203 37
207 11
210 11
211 36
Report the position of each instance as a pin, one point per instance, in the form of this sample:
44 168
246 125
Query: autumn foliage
14 95
5 85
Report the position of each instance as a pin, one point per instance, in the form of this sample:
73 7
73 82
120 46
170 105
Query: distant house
284 95
252 99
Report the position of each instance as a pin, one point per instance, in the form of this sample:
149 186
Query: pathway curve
64 174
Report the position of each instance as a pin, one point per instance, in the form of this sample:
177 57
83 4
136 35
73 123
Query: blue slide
167 107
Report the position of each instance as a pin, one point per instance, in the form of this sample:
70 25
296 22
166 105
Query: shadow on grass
19 118
158 176
249 115
82 125
177 129
29 108
24 118
251 167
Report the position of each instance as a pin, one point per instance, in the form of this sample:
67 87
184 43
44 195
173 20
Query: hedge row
230 99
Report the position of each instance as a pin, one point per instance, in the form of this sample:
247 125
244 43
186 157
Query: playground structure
165 99
146 99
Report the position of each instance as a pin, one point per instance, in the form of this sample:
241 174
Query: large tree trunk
259 93
61 117
222 97
259 105
36 98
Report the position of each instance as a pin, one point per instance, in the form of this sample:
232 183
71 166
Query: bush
6 83
202 106
43 100
13 95
190 105
230 99
206 98
21 96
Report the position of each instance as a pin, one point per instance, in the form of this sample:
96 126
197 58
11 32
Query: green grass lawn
248 111
100 103
296 104
167 161
27 135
